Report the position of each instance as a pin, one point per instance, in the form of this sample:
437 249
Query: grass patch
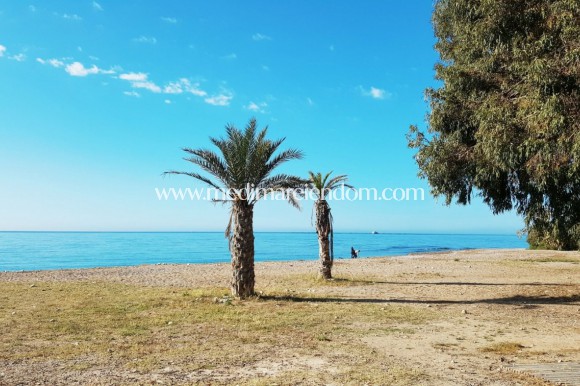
503 348
553 259
140 330
313 280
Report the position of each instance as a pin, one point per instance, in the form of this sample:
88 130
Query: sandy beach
465 317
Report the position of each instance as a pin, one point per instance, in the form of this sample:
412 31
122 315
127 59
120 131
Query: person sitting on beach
353 253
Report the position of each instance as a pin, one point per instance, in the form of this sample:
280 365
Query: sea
30 251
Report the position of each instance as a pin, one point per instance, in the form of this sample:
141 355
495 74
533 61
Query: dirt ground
486 310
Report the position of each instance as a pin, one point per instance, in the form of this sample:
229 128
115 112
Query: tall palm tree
243 173
321 186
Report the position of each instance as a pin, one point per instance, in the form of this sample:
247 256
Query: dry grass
554 259
381 321
503 348
87 326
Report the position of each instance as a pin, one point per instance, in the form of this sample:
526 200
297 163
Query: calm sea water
61 250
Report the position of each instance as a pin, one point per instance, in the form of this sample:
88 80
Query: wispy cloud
72 16
170 20
134 76
147 85
310 102
231 56
222 99
97 6
260 37
134 94
140 80
183 85
331 48
78 69
52 62
257 107
2 50
145 40
167 101
32 8
375 93
18 57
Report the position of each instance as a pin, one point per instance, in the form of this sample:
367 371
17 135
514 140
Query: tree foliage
505 121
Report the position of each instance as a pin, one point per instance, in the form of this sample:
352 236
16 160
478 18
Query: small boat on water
374 233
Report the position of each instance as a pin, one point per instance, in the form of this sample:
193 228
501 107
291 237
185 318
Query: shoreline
411 255
212 274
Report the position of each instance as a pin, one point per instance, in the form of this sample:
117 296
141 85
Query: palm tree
321 186
243 173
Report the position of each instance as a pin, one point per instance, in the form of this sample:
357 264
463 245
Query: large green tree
504 122
243 174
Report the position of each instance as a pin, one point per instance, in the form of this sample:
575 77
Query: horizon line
312 231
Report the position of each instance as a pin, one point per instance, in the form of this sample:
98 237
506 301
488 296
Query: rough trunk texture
324 232
242 249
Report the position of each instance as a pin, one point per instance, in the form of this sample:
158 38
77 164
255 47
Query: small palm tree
321 186
243 174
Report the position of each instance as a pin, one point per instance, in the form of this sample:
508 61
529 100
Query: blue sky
98 98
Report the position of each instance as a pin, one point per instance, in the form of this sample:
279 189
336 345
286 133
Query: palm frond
210 162
292 186
197 177
247 158
337 181
284 156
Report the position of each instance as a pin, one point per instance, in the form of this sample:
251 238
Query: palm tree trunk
242 249
324 229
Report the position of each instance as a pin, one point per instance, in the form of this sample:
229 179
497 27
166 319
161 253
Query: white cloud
78 69
139 80
134 76
259 37
195 90
231 56
53 62
97 6
145 40
167 101
73 17
173 88
147 85
219 100
132 94
18 57
257 107
170 20
2 50
375 93
183 85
